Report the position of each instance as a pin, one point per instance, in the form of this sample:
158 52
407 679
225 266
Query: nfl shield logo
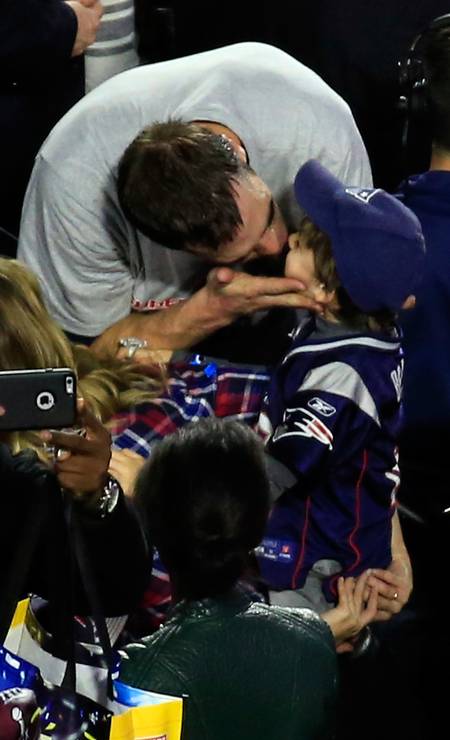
363 194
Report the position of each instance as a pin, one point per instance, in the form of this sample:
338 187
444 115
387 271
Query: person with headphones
425 80
423 444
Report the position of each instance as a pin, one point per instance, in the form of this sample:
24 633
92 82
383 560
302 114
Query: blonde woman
136 402
30 501
29 338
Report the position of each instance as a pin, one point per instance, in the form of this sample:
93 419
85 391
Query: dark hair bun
205 495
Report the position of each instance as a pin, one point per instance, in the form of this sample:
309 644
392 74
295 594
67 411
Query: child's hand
352 613
125 466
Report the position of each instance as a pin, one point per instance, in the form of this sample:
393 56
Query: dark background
354 45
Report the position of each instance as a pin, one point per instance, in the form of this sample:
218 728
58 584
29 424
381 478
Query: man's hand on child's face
238 293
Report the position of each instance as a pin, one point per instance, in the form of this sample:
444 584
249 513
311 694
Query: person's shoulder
24 477
137 655
271 64
24 465
302 624
136 651
251 49
153 662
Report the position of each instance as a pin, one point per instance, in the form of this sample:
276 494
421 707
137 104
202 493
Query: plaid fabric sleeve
193 392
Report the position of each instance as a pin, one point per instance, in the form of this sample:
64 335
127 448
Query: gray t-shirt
93 265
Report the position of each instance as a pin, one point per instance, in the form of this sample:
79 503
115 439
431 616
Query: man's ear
409 303
242 153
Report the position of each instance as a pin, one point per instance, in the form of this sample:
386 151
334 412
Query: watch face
110 496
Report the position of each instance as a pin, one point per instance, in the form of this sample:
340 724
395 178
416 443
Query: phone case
37 399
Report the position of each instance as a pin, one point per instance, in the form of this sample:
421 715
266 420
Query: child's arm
125 466
352 613
318 427
394 585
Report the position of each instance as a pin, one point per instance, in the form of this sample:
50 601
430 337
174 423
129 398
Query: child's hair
204 494
29 338
326 273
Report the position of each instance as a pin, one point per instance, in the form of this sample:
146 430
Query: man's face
263 232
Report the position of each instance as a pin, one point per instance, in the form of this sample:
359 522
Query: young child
333 408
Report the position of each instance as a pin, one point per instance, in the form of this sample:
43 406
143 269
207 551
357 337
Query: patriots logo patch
321 407
312 426
309 426
362 194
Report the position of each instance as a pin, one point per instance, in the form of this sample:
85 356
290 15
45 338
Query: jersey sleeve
319 427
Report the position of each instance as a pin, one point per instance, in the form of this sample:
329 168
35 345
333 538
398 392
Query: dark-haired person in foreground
247 670
203 187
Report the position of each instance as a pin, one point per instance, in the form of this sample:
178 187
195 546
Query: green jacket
248 670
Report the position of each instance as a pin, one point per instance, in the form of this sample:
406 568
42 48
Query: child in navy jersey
333 410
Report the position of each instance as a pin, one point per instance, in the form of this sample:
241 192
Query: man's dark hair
176 184
204 494
436 56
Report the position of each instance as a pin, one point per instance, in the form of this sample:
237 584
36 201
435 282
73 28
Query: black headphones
413 82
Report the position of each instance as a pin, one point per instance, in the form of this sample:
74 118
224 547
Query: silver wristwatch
109 497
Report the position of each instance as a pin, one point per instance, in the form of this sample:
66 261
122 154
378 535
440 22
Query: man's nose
273 241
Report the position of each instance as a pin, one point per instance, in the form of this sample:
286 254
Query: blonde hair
29 338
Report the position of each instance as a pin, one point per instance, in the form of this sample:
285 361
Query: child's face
300 264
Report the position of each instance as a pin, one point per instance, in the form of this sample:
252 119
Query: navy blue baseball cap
377 242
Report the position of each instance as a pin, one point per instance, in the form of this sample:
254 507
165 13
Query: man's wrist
209 314
103 502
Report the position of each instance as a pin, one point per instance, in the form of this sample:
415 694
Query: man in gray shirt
103 277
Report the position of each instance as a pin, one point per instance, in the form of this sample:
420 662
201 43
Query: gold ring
395 596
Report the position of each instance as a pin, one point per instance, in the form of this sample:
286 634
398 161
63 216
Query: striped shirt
114 49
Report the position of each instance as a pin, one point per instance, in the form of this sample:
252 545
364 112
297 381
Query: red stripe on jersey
319 426
303 544
352 544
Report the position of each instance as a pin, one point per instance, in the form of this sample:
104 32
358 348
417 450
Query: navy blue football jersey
332 416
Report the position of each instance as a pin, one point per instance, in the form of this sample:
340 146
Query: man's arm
226 296
46 32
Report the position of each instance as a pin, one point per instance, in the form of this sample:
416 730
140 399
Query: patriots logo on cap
362 194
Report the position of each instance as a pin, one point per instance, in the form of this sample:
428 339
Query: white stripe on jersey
341 380
361 341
